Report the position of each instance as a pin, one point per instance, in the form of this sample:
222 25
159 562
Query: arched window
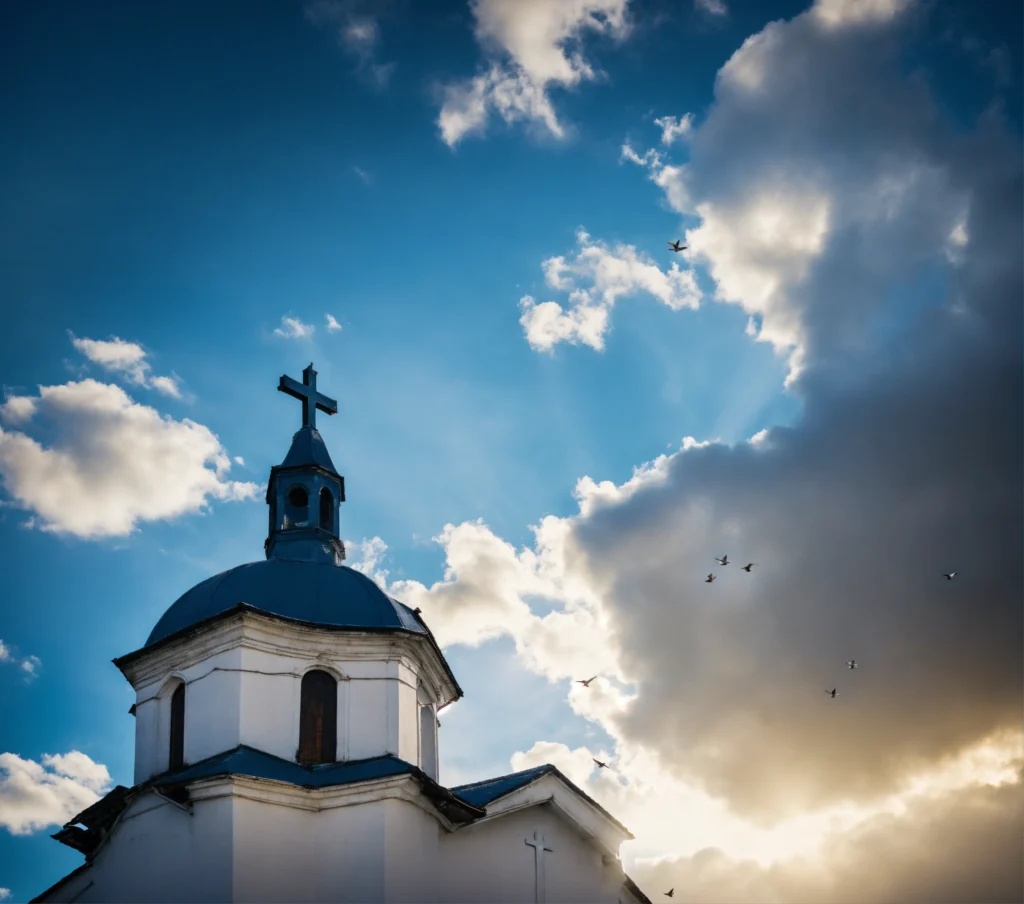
296 510
326 509
318 718
176 758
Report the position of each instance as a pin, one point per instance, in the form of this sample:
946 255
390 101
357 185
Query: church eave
634 890
123 662
87 831
290 469
507 785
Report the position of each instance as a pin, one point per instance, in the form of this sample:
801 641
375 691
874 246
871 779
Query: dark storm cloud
961 847
905 464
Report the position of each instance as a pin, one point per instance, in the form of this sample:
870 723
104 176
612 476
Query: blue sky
183 177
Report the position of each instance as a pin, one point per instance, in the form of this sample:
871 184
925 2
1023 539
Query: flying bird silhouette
724 560
677 246
831 693
709 579
670 892
585 683
600 765
851 663
748 566
950 576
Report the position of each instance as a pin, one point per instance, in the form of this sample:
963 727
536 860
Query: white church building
286 746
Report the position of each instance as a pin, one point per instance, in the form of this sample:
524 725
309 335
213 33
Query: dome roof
334 596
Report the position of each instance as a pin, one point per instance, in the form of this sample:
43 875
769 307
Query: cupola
305 491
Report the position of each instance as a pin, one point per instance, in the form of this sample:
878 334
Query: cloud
674 127
357 30
533 47
851 13
239 460
127 359
112 463
5 894
35 795
595 279
17 409
711 7
818 154
332 325
363 175
293 328
29 665
963 845
823 181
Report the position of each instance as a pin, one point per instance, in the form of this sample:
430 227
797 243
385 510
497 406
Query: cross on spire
307 392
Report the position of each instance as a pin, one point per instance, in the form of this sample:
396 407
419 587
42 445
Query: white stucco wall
212 703
490 861
247 690
159 853
254 841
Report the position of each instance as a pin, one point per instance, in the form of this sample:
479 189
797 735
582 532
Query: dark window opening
296 507
326 509
318 718
177 752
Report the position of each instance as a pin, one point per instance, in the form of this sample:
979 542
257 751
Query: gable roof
485 792
462 804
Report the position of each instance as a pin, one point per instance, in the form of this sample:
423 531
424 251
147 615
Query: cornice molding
399 787
252 630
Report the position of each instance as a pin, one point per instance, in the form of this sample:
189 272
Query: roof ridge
499 778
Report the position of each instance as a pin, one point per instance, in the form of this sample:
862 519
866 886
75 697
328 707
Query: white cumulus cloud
29 665
534 46
673 127
35 795
127 359
818 159
332 325
111 462
595 278
293 328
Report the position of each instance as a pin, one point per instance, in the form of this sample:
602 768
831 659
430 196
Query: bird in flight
585 683
724 560
709 579
748 566
677 246
950 576
670 892
831 693
600 765
851 663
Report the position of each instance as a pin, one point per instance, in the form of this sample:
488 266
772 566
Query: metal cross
538 844
311 399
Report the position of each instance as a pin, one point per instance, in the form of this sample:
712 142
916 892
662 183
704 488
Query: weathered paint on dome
334 596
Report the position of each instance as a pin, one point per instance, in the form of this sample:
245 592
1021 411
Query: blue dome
334 596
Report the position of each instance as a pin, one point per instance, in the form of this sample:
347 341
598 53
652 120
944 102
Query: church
286 745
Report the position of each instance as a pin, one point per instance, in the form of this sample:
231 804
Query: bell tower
305 491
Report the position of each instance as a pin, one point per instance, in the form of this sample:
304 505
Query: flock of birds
724 560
